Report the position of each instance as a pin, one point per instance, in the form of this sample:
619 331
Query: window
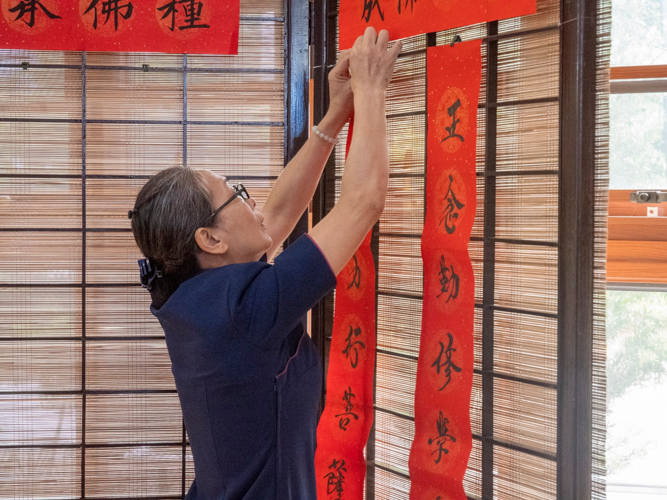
637 254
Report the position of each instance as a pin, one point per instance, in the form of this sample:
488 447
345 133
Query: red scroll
413 17
342 433
175 26
443 438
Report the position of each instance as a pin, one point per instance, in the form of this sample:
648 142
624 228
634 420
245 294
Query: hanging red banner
414 17
174 26
443 437
343 430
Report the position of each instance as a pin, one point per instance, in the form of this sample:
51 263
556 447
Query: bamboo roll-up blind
514 251
88 407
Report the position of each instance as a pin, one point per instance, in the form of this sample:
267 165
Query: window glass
636 395
637 146
638 35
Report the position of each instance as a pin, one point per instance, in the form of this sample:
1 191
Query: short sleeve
280 295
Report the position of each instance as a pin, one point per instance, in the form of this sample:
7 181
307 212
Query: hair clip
132 213
148 274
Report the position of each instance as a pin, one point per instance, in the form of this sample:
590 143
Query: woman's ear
210 240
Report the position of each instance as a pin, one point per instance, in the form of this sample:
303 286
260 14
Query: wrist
332 123
369 92
373 102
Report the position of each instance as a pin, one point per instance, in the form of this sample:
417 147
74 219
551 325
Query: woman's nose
252 202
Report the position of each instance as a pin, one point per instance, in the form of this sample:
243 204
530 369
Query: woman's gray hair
167 212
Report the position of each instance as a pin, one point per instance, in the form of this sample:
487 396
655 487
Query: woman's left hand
341 99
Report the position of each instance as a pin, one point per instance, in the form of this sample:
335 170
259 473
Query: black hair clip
148 274
132 213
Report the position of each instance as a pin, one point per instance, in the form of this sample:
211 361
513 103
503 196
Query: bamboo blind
515 259
88 407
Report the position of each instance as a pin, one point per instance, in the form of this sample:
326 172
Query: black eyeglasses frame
239 190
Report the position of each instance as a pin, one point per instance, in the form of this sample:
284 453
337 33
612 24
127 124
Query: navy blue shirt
248 376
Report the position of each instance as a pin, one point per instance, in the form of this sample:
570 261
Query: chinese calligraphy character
30 7
345 417
111 7
353 357
452 208
191 10
441 440
369 5
356 275
336 478
449 280
411 2
448 364
451 130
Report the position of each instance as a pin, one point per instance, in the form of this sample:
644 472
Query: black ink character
452 209
449 280
451 111
345 417
356 275
30 7
411 2
191 10
336 478
353 357
448 364
111 7
441 440
369 5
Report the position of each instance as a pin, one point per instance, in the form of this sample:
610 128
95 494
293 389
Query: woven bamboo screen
514 250
88 407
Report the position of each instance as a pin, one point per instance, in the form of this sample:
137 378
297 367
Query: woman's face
241 224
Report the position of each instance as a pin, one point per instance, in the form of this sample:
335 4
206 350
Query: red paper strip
175 26
443 438
343 430
414 17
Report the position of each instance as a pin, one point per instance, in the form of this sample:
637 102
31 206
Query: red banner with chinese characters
343 430
174 26
414 17
443 437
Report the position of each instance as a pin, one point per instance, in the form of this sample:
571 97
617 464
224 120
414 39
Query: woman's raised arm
366 175
296 185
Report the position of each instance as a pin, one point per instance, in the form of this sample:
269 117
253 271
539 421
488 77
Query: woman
247 373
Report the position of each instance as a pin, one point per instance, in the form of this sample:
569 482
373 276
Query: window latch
649 196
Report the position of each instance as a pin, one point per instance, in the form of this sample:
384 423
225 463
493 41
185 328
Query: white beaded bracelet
332 140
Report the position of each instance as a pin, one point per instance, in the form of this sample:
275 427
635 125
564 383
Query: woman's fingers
383 39
371 64
340 69
370 37
396 49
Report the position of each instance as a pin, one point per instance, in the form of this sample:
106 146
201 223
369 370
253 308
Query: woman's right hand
371 64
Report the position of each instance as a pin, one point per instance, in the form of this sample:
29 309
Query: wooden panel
620 204
637 229
634 251
634 72
636 272
638 86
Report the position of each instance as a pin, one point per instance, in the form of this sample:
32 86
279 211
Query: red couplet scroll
403 18
174 26
443 437
343 430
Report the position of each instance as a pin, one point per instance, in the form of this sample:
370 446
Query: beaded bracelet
332 140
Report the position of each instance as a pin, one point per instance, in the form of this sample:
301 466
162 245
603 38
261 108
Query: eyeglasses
239 190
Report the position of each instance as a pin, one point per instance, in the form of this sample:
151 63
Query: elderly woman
247 374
